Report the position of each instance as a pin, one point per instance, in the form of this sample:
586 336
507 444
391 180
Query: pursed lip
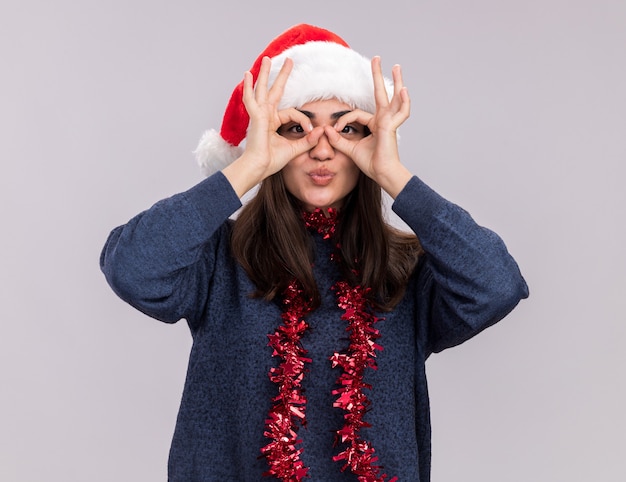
321 176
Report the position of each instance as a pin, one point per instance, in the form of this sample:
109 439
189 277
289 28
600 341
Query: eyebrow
333 116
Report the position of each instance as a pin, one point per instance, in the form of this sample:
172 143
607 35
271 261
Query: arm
467 274
160 261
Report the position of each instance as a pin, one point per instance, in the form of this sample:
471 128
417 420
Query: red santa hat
324 67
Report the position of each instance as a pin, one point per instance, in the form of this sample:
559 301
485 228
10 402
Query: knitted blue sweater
173 261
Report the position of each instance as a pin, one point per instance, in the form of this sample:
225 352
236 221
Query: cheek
353 176
289 178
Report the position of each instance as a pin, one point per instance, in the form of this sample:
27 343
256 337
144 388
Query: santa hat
324 67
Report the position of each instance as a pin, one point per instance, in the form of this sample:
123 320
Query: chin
321 200
312 206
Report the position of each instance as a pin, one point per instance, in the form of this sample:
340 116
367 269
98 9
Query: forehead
329 108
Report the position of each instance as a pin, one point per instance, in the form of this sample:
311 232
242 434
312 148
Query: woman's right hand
267 152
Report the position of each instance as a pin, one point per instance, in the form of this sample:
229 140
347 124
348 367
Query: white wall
518 115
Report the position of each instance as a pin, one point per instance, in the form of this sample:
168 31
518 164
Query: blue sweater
173 261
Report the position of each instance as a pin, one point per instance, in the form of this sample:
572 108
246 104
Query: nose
323 151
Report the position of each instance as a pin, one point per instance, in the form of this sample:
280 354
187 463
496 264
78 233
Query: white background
519 115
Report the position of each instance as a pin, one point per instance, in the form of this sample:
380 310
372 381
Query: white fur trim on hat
327 70
214 153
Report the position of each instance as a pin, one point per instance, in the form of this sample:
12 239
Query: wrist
394 180
243 175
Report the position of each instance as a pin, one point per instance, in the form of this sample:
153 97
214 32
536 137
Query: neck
322 221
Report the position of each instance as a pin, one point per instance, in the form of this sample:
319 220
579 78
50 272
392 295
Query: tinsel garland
289 406
288 410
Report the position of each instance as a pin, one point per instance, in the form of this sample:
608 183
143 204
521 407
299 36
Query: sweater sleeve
467 279
161 261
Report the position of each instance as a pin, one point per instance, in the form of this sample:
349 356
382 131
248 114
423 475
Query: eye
291 131
353 130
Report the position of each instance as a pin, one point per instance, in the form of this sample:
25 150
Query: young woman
311 317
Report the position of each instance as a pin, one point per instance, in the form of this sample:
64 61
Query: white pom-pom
214 153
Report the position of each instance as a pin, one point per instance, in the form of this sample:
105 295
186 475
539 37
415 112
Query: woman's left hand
377 154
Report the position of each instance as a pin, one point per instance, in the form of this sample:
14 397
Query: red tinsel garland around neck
324 222
288 410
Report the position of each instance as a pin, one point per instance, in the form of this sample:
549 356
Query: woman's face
323 176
